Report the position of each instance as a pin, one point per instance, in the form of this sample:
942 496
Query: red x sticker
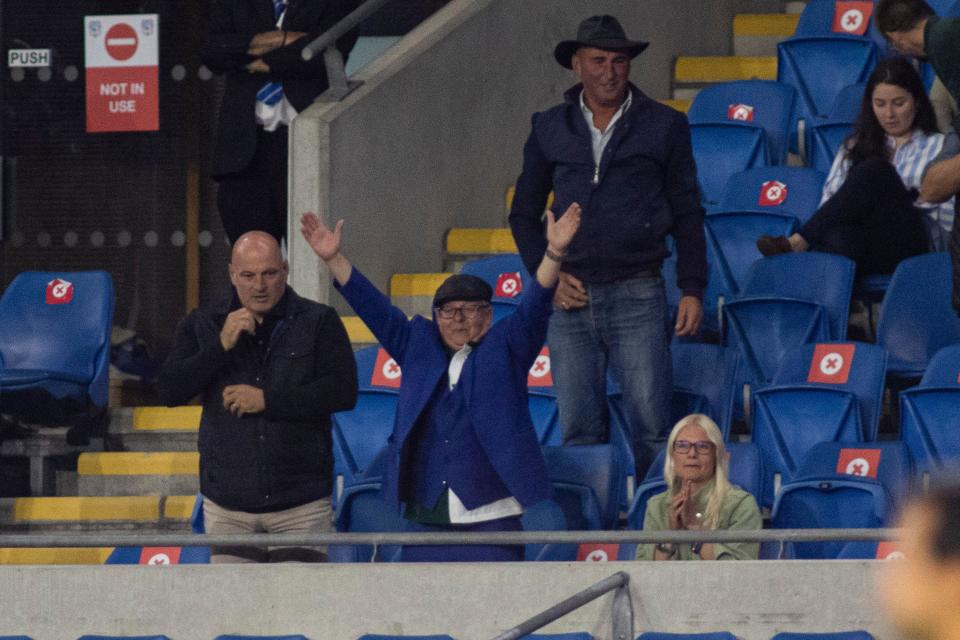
772 193
742 112
386 371
859 462
160 555
59 291
852 17
831 363
589 552
509 285
540 375
889 550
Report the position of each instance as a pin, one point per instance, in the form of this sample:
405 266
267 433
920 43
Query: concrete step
102 513
413 292
154 429
130 473
757 34
691 73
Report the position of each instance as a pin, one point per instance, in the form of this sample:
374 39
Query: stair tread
138 463
765 24
701 69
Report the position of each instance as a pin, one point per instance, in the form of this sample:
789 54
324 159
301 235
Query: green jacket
941 43
738 511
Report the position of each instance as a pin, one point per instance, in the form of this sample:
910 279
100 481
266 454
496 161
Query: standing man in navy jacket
627 160
256 44
463 454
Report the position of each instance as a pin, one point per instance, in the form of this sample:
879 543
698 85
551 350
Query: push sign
28 58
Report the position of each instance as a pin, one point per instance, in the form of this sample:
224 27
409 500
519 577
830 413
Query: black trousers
255 199
870 219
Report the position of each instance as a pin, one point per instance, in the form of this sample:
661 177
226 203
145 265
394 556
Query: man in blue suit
463 454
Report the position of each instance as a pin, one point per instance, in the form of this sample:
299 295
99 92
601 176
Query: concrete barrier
753 600
434 136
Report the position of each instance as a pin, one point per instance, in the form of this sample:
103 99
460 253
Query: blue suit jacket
494 379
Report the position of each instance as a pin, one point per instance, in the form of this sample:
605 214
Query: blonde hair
721 475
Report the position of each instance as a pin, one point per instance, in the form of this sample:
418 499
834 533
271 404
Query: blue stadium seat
705 381
723 149
245 637
558 636
586 484
846 106
499 272
502 308
620 440
857 368
360 434
159 556
363 510
764 103
929 416
946 8
716 635
819 18
835 635
833 501
542 400
99 637
791 191
824 139
887 462
819 67
547 515
55 345
916 317
944 368
732 238
373 636
375 371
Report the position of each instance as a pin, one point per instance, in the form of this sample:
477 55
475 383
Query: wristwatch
667 548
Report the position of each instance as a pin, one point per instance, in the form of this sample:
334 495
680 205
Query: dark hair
901 15
944 501
869 139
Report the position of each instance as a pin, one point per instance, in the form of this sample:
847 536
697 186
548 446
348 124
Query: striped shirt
911 159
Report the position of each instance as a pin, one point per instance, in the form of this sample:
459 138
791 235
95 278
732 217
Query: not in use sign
122 54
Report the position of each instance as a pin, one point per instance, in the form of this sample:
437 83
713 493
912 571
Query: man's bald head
258 271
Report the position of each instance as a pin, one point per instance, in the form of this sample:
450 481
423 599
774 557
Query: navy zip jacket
644 188
282 457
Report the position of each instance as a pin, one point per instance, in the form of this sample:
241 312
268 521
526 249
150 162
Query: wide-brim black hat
600 32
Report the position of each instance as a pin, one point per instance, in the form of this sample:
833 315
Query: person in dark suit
463 454
257 44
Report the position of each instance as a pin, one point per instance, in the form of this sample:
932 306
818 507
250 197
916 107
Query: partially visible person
463 455
921 592
256 44
270 368
871 211
699 496
628 160
944 105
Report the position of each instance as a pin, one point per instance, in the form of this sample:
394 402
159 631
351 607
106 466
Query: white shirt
910 159
459 514
281 113
599 139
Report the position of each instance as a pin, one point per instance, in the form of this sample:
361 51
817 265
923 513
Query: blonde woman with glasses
699 496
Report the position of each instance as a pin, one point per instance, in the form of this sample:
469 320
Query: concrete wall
434 136
753 600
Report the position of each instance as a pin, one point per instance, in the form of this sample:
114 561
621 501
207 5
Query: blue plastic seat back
824 278
245 637
716 635
724 149
641 496
583 472
946 8
543 412
886 462
763 329
374 636
361 433
558 636
789 421
824 140
181 555
836 635
763 103
916 317
377 370
928 426
363 510
547 515
99 637
819 67
502 308
793 191
944 368
733 237
857 367
500 272
831 502
620 440
705 381
846 106
59 323
819 18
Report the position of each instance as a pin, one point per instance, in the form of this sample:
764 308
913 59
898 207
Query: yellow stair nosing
89 508
512 190
357 331
703 69
680 105
780 25
166 418
179 507
63 555
475 241
135 463
416 284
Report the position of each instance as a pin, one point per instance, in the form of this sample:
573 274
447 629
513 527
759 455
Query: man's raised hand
324 242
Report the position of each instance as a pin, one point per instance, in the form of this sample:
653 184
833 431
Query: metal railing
68 539
621 613
338 84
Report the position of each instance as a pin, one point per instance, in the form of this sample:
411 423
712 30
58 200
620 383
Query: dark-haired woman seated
870 210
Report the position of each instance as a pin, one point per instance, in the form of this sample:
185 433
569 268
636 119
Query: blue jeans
625 328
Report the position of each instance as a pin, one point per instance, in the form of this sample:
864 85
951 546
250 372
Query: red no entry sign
121 41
